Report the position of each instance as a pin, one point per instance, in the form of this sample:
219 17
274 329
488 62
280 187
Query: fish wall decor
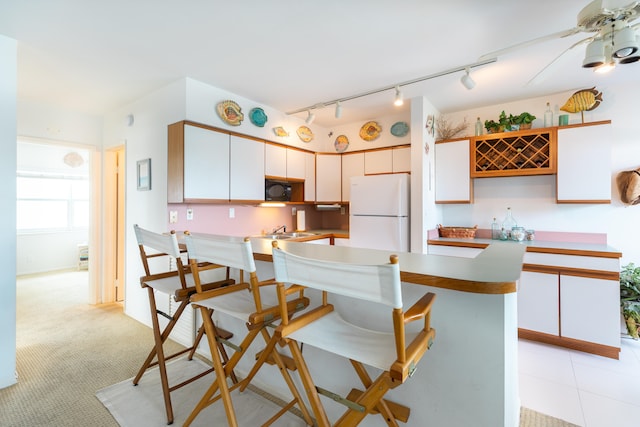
583 100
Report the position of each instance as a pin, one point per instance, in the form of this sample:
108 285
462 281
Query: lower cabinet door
538 302
590 309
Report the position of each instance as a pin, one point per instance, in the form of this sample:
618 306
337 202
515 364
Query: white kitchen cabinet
275 160
296 165
452 172
584 164
310 177
328 178
378 161
206 164
590 309
246 180
352 165
538 302
401 159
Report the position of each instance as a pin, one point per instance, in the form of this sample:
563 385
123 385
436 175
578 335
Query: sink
284 236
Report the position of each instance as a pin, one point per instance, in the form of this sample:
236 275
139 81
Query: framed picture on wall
144 174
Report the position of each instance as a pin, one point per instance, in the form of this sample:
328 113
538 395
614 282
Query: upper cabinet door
401 159
275 163
452 175
206 164
296 165
378 161
310 177
329 178
247 169
584 164
352 165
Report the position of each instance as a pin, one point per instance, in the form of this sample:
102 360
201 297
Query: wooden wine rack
529 152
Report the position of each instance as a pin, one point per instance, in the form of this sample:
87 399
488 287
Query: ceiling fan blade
540 75
558 35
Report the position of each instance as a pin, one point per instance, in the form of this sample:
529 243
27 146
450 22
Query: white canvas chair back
160 244
375 283
234 252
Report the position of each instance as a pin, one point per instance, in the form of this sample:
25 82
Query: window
48 196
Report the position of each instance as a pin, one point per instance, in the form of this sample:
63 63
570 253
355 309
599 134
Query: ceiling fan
613 39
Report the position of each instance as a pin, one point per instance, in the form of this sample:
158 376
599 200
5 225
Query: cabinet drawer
573 261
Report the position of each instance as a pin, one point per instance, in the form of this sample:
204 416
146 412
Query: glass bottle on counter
495 229
507 225
478 127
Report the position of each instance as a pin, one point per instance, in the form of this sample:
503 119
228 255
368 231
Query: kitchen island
470 375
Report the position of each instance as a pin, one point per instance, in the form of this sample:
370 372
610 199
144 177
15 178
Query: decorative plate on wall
370 131
258 117
399 129
341 144
230 112
304 133
280 131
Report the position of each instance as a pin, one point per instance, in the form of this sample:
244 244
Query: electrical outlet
232 212
293 211
189 214
173 217
343 210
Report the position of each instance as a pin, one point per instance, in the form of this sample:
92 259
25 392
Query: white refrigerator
379 212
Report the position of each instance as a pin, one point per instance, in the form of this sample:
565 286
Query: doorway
114 232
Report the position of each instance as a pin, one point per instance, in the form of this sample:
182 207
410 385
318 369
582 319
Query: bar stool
179 285
324 328
244 301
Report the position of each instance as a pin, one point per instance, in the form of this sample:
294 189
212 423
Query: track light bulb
338 110
310 117
467 81
399 98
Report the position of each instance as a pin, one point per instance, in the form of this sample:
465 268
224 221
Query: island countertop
494 271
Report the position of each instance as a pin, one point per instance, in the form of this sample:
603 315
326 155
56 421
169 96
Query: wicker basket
457 232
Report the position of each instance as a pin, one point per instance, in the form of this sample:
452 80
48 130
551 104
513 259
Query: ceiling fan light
594 56
467 81
625 43
634 57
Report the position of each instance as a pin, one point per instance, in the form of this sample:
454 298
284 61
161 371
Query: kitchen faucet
277 229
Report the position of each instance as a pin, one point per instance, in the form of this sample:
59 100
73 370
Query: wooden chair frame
256 322
152 245
358 403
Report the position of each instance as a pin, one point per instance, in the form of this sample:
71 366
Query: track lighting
467 81
310 117
338 110
399 98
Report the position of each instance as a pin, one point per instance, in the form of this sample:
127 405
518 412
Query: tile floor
581 388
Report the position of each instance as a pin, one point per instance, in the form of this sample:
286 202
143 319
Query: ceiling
94 57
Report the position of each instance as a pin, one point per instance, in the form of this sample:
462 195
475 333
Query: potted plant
524 120
630 298
491 126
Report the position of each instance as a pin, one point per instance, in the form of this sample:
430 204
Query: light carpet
143 405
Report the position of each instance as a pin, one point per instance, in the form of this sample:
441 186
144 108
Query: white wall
201 101
43 252
8 137
532 199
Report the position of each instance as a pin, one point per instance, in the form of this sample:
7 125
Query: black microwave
277 191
